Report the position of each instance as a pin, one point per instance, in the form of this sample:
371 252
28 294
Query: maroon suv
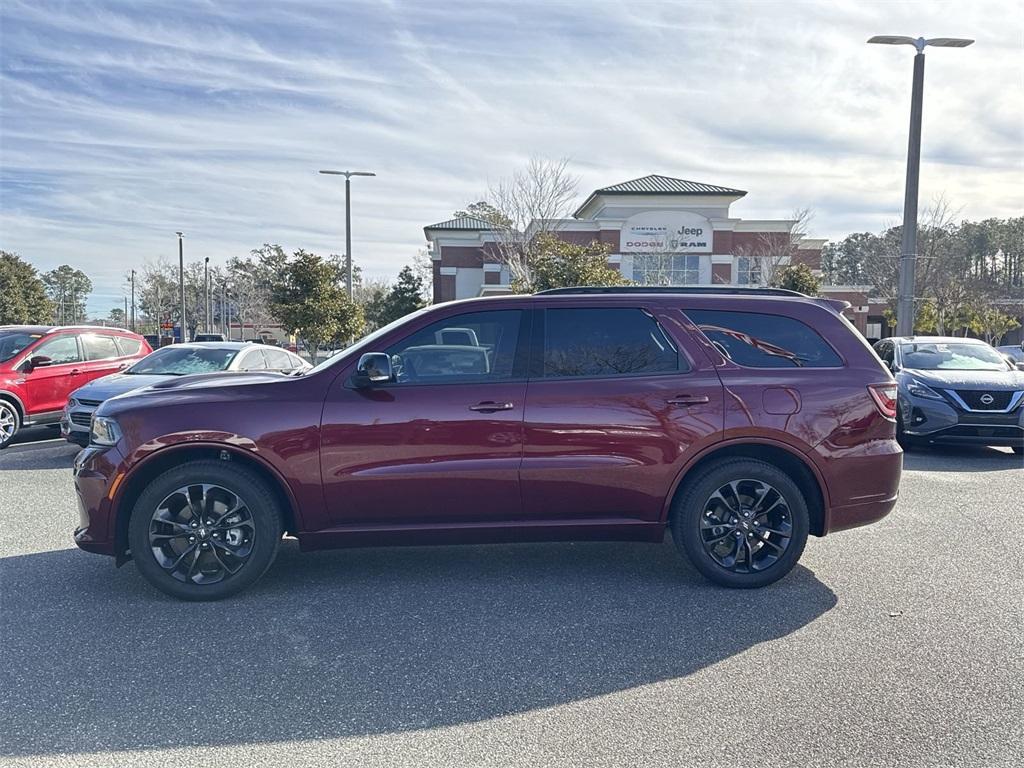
742 421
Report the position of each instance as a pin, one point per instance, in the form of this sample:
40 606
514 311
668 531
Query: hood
107 387
199 386
951 379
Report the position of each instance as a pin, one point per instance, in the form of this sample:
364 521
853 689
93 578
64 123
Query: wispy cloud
124 121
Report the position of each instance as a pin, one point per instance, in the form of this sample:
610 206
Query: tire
10 423
254 530
906 442
773 542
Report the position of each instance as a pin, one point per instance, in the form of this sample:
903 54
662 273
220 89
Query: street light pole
133 301
908 248
348 221
181 283
206 288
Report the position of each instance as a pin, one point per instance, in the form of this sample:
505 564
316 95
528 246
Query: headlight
917 389
104 431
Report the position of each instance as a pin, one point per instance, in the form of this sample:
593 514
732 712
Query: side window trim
684 365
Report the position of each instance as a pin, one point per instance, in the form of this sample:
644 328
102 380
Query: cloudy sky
125 121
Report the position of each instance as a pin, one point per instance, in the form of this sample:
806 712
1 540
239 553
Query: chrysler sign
666 231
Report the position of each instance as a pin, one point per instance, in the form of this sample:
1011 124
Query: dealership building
659 231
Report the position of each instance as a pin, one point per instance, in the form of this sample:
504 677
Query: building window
748 270
666 269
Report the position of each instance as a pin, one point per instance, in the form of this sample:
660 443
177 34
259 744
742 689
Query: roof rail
714 290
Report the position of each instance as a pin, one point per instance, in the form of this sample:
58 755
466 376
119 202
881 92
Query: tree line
969 277
304 293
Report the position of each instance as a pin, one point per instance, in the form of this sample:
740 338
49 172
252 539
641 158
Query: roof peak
657 183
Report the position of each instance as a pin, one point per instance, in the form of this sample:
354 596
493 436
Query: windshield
366 341
13 342
181 361
952 356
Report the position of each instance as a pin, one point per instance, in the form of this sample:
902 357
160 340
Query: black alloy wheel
205 529
741 522
746 526
202 533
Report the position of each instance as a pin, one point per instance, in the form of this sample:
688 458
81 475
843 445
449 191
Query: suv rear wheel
205 530
9 422
743 523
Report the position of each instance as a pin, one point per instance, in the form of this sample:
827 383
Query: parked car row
58 375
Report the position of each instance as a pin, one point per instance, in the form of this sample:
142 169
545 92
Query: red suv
41 365
741 421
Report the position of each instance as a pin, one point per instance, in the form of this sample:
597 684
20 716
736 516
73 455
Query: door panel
443 441
102 357
421 455
612 445
49 386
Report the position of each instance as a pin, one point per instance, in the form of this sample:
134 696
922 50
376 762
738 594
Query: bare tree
531 202
774 250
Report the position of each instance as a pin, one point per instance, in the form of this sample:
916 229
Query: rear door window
759 340
100 347
617 341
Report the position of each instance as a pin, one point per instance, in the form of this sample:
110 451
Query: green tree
405 296
992 324
309 298
797 277
485 211
560 264
68 289
22 294
117 317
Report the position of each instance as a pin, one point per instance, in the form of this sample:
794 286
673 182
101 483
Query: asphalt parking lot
897 644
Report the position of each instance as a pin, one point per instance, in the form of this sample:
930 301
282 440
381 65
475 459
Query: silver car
173 360
956 391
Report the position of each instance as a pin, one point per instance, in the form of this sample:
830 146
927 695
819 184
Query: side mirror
893 366
39 361
373 368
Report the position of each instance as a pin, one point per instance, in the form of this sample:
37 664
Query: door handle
491 407
75 371
688 400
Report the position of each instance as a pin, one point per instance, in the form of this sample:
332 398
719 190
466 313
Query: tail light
884 396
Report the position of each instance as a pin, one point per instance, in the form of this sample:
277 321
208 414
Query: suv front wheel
9 423
742 522
205 530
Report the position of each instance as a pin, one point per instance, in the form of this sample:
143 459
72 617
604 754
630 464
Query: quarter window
605 342
129 346
479 346
765 341
99 347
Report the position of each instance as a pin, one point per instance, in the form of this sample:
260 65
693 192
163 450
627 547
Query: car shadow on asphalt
967 458
356 642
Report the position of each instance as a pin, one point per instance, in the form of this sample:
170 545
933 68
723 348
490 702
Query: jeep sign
666 232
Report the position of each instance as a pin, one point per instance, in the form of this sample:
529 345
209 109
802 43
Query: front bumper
937 421
97 473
